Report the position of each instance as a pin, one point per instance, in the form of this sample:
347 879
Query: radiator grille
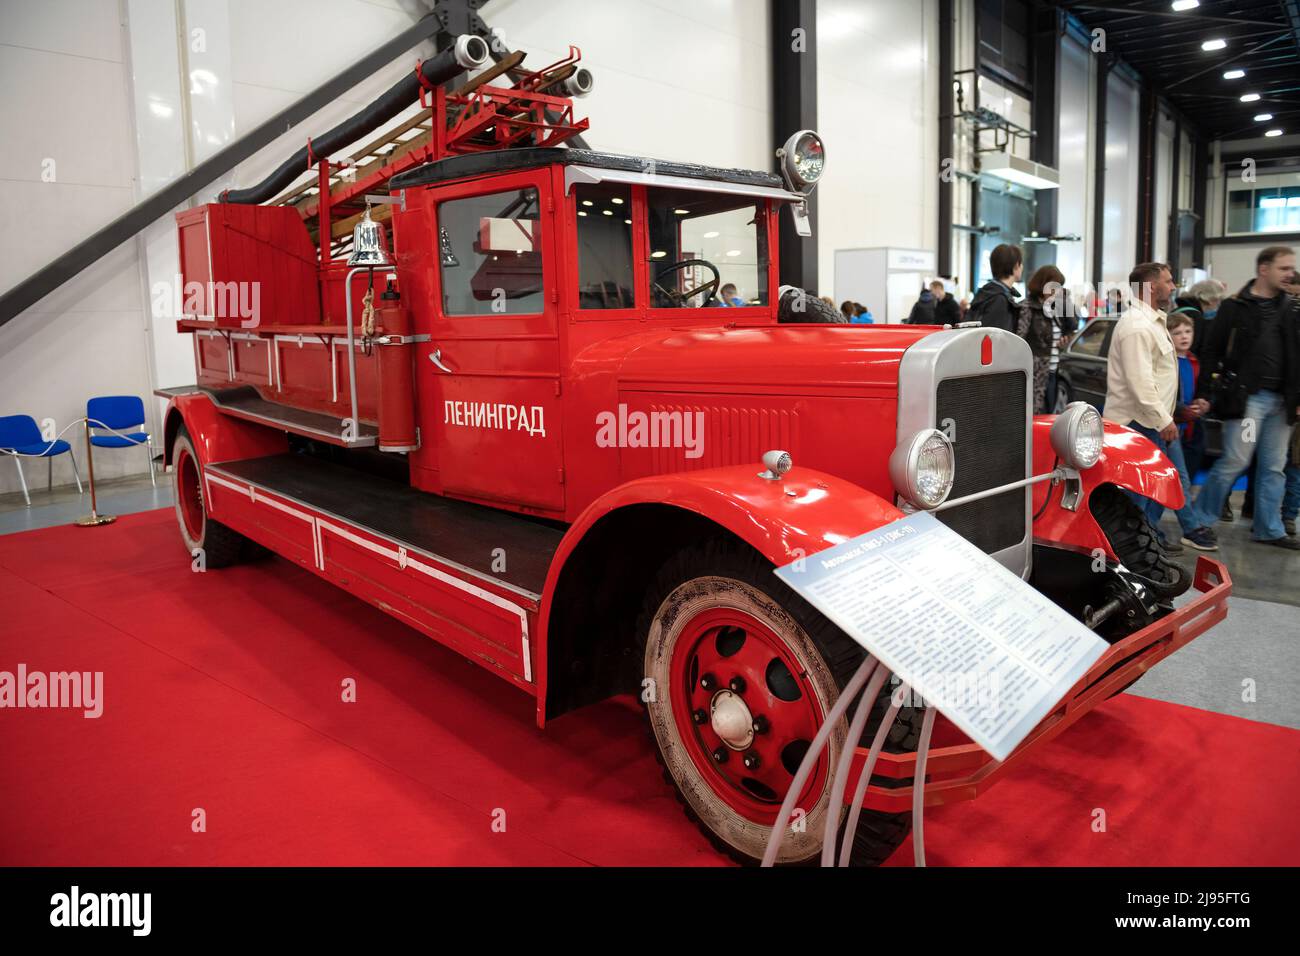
988 415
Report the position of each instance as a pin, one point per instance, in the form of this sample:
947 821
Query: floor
224 738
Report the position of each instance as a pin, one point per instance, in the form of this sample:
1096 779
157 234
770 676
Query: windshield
706 249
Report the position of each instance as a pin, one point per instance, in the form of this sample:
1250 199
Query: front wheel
740 673
218 545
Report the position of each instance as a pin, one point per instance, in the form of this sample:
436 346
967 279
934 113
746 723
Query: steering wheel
679 299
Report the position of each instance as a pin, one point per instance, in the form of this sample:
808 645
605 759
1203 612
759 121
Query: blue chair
20 437
123 417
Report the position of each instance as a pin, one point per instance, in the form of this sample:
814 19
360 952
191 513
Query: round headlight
805 157
922 468
1078 436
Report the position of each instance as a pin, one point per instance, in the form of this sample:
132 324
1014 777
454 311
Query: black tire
1132 537
800 307
735 572
221 546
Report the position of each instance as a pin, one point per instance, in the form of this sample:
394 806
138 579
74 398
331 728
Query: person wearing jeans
1142 390
1256 338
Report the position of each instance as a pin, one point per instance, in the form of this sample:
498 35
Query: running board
245 402
469 576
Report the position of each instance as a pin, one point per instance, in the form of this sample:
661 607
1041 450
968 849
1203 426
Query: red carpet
222 692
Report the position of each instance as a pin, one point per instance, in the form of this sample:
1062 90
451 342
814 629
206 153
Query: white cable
810 758
866 704
918 787
96 423
860 792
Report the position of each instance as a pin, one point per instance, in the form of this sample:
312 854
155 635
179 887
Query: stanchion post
94 518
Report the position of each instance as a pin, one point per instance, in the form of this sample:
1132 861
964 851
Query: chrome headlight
1078 436
805 157
922 468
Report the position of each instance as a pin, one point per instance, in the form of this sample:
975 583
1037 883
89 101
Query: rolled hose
467 53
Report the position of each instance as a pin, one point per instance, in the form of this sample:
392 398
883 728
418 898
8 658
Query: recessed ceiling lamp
1181 5
1263 117
1234 74
714 235
1249 97
1214 45
1274 132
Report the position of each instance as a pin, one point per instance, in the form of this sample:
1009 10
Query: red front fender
804 513
1130 461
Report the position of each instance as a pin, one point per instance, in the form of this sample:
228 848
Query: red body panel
1130 461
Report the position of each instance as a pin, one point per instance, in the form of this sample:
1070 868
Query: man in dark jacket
923 311
994 305
946 309
1250 372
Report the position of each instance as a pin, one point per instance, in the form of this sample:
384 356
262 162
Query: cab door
493 354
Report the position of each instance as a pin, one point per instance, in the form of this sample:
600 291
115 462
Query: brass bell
368 243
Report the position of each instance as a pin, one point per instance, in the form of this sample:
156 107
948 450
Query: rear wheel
220 546
743 672
1063 398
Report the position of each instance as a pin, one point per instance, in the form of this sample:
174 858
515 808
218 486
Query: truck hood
756 359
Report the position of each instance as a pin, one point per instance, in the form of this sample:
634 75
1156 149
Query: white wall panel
877 109
1075 196
1121 182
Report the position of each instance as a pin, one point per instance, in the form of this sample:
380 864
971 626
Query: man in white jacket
1142 389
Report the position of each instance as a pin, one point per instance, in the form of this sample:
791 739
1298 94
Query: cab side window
604 246
490 250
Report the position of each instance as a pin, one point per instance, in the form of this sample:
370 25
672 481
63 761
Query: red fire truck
550 407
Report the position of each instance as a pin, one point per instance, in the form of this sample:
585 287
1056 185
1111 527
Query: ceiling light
682 212
1273 132
581 213
1214 45
627 222
658 255
608 212
1181 5
1263 117
616 201
1249 97
1234 74
715 233
732 253
587 202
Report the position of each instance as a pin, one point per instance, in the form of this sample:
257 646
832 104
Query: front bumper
963 771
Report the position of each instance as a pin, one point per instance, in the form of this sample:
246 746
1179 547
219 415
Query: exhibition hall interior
649 433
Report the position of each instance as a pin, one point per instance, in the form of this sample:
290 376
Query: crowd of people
1175 363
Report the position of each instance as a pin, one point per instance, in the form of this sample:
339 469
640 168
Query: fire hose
875 672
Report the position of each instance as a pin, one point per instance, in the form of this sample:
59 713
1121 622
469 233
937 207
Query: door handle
436 358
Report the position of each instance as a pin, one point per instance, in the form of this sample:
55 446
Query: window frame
492 325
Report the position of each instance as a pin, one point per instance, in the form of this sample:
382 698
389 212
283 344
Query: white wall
1119 239
67 168
877 109
1077 153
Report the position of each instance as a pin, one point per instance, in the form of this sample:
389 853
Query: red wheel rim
774 688
189 495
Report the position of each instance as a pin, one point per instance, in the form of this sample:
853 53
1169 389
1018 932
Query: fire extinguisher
396 374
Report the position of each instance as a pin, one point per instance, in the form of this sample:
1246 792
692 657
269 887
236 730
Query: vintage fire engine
550 407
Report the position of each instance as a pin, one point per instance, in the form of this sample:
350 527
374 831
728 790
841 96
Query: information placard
966 634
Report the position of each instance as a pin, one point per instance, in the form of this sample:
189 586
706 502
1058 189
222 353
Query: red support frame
963 771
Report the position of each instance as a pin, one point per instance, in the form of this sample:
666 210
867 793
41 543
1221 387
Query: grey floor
1247 666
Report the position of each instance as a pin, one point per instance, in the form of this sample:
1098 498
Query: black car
1081 376
1081 370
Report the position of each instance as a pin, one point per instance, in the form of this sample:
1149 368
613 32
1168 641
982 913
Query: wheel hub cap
732 720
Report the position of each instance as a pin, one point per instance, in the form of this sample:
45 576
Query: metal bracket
1073 488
